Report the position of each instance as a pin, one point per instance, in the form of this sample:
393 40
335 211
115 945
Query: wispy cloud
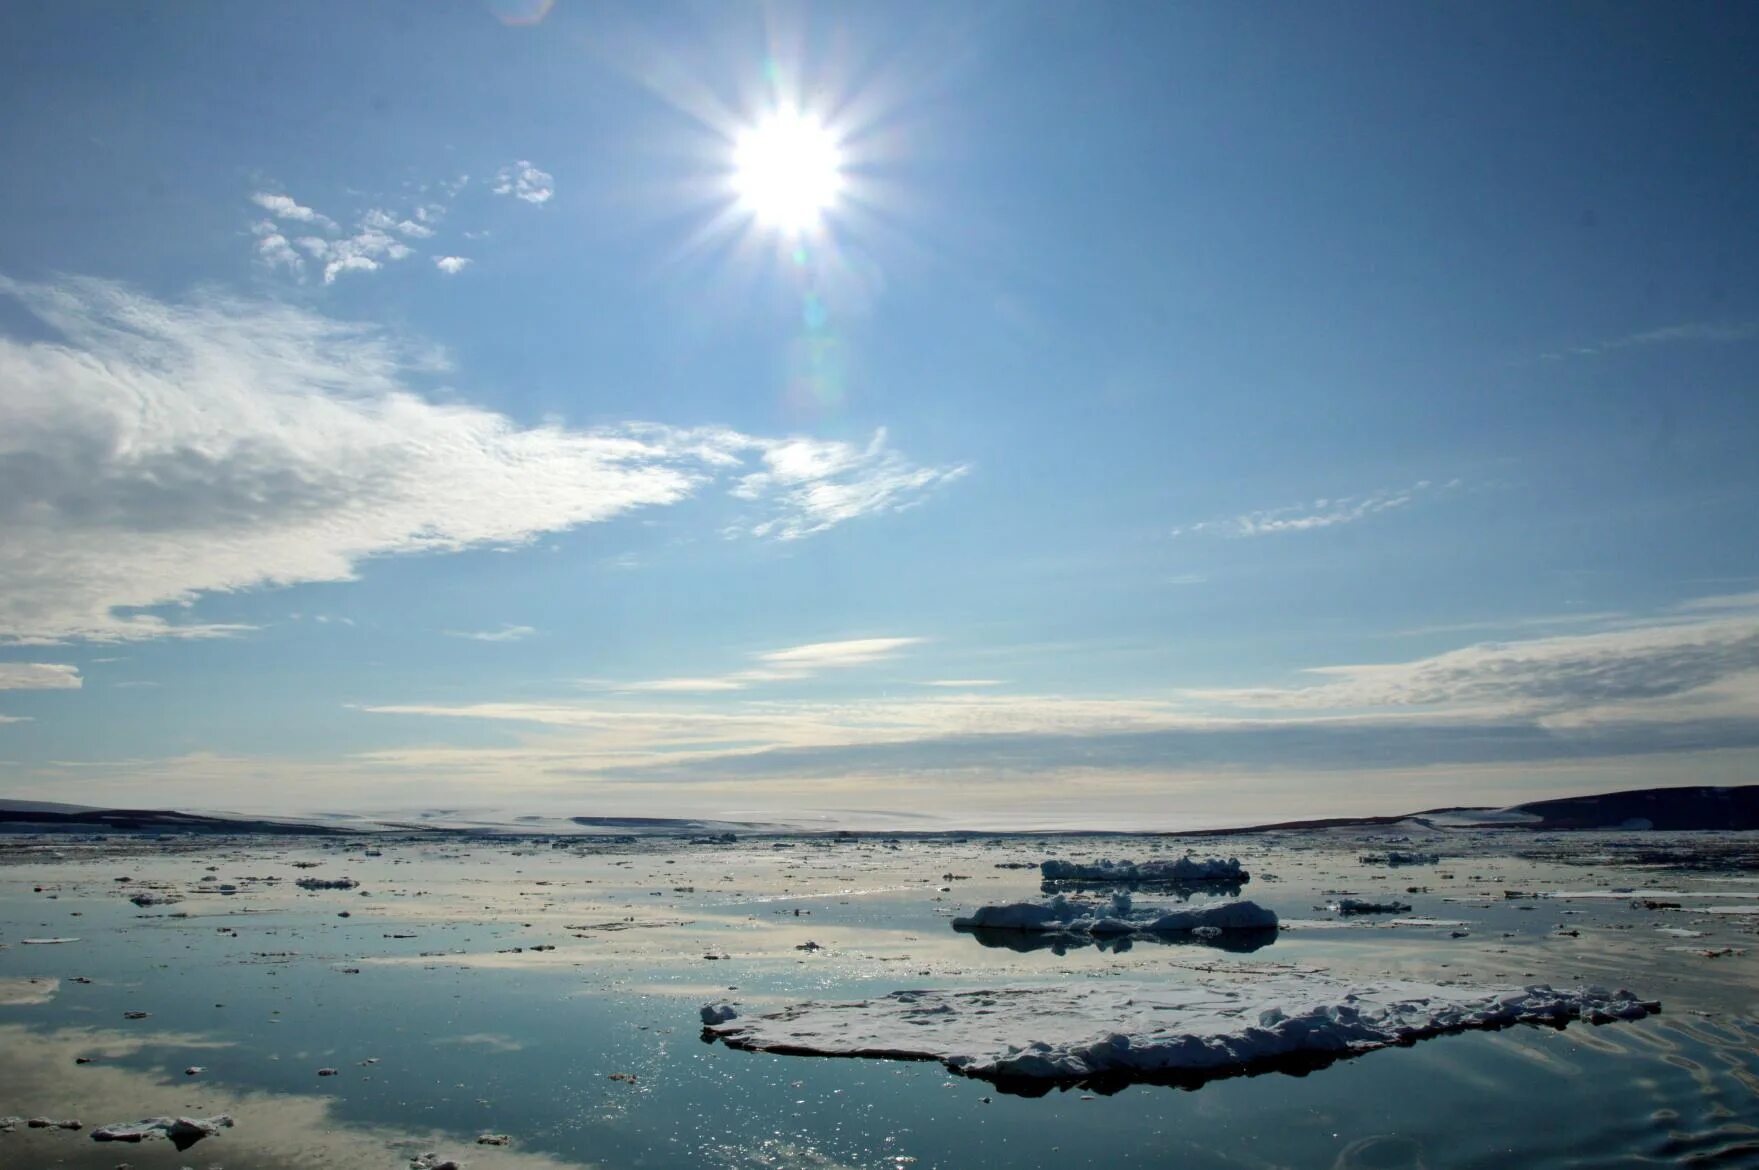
1537 676
1722 601
795 662
1543 621
1668 688
683 686
285 207
452 265
1698 331
38 676
1325 512
504 634
157 451
816 656
524 181
964 683
823 482
274 249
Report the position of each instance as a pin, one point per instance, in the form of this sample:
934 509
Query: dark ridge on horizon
1699 808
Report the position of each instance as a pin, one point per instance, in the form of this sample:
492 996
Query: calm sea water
256 989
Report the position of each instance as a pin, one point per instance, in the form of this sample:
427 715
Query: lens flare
788 171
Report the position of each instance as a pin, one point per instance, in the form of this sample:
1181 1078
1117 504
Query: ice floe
1108 1034
184 1132
1064 915
1063 923
1177 870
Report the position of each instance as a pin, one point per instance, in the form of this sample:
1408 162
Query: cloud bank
1675 685
152 452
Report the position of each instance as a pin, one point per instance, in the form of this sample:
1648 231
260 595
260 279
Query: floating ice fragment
184 1132
1175 870
1363 906
1186 1033
1063 915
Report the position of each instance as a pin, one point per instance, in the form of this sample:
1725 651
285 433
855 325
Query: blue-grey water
590 1055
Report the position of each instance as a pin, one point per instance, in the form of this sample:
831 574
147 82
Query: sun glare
788 171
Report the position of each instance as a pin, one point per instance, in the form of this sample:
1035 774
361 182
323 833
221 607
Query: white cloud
38 676
816 656
1538 676
964 683
273 248
378 219
822 482
1316 514
451 265
158 451
1722 601
621 735
795 662
361 252
504 634
524 181
285 207
377 238
684 685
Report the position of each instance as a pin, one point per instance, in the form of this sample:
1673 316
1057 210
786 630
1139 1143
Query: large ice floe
1105 1035
1166 870
1246 925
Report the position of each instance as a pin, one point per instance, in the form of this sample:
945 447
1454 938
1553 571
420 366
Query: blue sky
1182 412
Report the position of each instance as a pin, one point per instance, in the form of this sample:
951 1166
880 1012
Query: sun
788 171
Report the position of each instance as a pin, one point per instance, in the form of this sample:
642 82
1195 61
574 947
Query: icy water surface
443 1023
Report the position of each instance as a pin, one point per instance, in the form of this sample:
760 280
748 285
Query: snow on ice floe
1177 870
1110 1033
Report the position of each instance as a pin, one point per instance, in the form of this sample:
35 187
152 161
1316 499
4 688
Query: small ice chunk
316 883
431 1161
1363 906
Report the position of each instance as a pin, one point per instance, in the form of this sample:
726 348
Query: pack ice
1105 1033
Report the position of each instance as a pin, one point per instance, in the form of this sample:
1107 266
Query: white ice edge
1132 1030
